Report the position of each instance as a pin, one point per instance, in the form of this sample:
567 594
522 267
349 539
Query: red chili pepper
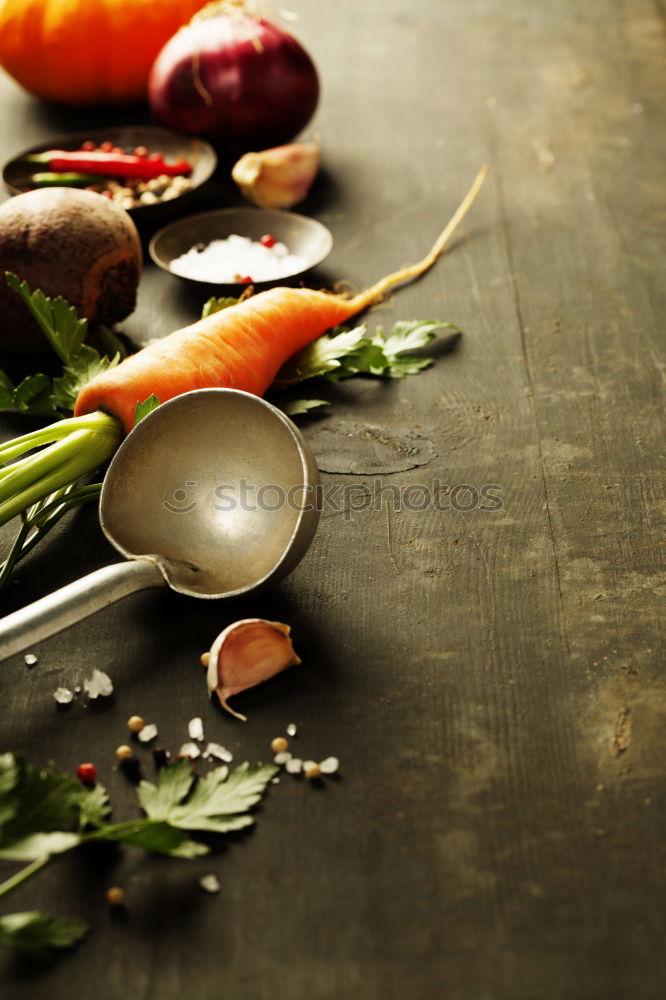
268 241
86 773
111 164
245 279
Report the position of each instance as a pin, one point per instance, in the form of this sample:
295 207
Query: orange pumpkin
87 51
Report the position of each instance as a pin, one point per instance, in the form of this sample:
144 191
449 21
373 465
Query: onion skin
238 81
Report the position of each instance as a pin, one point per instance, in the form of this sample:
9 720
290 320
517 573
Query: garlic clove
245 654
278 177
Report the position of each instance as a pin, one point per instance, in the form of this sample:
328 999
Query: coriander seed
123 752
115 896
279 744
135 723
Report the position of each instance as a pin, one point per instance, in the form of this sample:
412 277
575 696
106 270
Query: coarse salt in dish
237 259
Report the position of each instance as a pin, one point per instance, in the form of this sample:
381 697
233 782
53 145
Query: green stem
87 442
23 875
40 521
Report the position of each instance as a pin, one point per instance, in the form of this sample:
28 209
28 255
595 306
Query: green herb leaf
214 305
341 354
297 407
38 935
32 395
39 808
219 802
59 321
143 409
153 835
81 368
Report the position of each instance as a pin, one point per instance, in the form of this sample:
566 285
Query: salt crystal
275 781
99 684
148 733
195 729
210 883
282 757
291 729
190 750
30 659
63 696
294 766
217 750
225 261
329 766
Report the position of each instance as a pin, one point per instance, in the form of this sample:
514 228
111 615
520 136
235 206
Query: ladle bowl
213 493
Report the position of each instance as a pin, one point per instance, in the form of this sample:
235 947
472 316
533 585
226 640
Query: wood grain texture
492 680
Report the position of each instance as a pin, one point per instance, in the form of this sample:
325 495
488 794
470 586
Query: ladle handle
75 602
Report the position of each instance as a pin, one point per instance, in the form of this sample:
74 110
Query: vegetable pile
243 346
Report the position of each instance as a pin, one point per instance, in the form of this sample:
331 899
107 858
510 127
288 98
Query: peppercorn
313 772
86 773
135 723
115 896
123 752
279 744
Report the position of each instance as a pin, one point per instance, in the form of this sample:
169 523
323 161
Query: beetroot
66 242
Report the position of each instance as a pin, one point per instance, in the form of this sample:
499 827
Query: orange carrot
242 346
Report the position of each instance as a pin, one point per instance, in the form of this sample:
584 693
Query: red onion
235 79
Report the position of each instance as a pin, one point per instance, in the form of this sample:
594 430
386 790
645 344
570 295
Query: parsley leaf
218 802
343 353
143 409
296 407
39 935
65 332
213 305
44 813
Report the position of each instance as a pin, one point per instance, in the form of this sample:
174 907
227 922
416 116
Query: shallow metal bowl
301 235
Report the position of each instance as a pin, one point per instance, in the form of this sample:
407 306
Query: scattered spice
63 696
195 729
312 770
86 773
98 685
279 744
30 659
123 752
190 750
291 729
210 882
135 723
115 896
147 733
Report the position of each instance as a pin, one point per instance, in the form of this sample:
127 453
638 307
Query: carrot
242 347
245 345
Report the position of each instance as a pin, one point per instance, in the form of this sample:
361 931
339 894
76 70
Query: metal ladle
213 494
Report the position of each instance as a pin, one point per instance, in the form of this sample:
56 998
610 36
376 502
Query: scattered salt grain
236 258
282 757
210 883
195 729
217 750
99 684
189 750
329 766
294 766
148 733
275 781
30 659
63 696
291 729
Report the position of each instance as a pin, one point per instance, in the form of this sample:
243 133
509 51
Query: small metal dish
302 236
16 172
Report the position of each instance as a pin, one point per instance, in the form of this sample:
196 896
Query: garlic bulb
246 653
278 177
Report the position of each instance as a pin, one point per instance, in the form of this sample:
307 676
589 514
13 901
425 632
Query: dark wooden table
491 680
